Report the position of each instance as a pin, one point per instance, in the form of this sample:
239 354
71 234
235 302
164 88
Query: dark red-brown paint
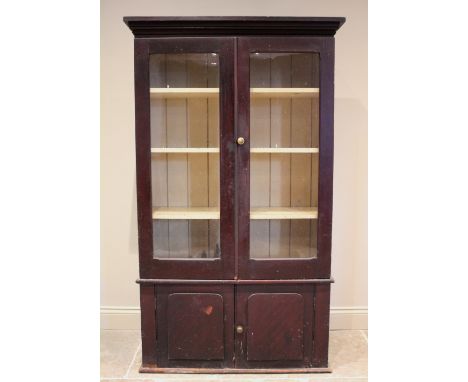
191 308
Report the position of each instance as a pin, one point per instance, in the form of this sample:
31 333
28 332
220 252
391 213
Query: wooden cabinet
234 154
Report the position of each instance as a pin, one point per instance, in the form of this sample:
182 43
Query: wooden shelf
267 213
171 93
254 150
212 213
284 150
182 150
284 92
186 213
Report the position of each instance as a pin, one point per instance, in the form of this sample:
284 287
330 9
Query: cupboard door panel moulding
234 158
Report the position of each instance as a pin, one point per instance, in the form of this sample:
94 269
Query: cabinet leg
321 325
148 325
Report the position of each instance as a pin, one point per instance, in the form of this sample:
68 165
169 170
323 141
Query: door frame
150 268
252 269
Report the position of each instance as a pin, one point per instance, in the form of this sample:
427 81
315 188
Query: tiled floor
121 357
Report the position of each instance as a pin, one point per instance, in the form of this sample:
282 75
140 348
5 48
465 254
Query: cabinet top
233 26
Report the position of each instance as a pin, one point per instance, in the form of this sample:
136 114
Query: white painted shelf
267 213
169 93
186 213
212 213
254 150
284 150
284 92
182 150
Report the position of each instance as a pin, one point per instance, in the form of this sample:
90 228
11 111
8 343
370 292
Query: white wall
119 250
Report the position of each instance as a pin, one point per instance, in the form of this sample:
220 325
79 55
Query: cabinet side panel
321 325
325 192
148 324
143 156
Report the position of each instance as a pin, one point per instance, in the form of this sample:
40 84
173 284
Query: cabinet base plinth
155 369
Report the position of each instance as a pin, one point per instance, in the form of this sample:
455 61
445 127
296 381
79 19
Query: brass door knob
239 329
240 141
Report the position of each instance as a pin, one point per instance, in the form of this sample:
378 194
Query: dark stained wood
143 157
206 310
284 318
235 282
275 323
232 26
195 327
321 325
319 267
242 165
190 308
326 137
148 324
214 268
186 370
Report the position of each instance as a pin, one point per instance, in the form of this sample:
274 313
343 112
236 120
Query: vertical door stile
236 161
243 156
242 190
227 157
236 194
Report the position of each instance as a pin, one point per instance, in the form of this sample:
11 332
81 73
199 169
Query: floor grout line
365 337
133 360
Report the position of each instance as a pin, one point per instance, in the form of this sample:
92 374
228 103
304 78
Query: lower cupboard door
274 326
195 326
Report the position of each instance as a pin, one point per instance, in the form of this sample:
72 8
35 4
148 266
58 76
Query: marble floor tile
163 379
118 349
366 334
348 354
348 360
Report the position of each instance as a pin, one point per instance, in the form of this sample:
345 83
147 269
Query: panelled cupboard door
185 157
274 326
195 326
242 326
285 162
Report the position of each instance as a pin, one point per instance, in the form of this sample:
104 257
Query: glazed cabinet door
285 156
185 157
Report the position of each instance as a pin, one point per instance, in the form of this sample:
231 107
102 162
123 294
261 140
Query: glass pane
283 238
284 146
184 94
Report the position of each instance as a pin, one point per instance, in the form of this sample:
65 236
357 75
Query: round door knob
239 329
240 141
